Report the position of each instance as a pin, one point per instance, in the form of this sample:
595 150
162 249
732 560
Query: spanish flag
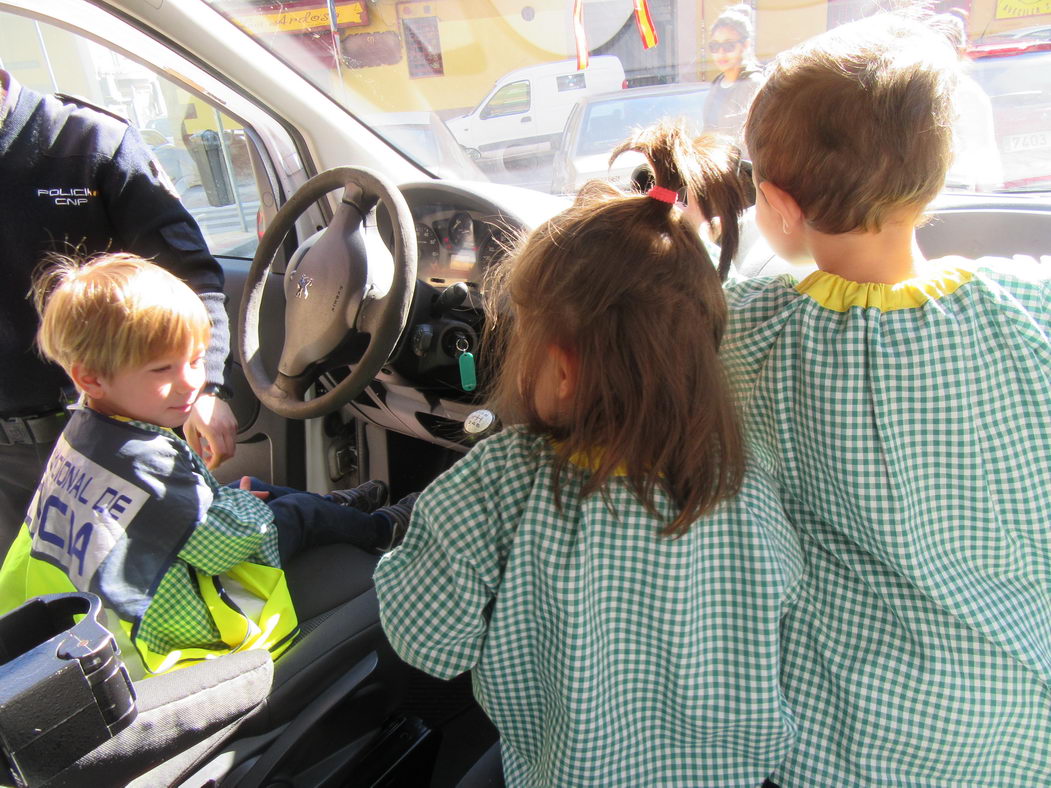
647 32
643 20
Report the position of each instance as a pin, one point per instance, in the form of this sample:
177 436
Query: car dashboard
462 231
456 245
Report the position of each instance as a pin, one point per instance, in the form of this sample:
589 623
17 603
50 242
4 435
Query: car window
1009 81
206 155
509 100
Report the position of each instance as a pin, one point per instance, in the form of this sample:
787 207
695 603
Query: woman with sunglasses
726 105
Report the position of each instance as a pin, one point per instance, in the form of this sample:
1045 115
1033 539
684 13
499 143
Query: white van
525 112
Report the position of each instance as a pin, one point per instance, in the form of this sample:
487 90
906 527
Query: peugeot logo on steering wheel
303 286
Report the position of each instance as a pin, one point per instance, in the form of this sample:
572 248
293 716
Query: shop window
423 48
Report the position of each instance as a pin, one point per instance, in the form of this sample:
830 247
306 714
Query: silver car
599 123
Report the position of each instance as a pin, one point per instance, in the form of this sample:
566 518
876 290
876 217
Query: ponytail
708 171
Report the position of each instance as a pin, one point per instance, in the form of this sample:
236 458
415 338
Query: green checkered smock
237 528
910 429
605 656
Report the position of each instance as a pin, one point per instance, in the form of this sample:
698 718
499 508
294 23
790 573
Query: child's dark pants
305 520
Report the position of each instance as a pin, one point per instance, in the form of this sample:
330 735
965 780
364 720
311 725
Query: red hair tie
669 196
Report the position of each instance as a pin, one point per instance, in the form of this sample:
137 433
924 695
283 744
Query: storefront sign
304 19
1013 9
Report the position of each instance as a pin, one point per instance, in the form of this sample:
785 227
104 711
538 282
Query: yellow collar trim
128 420
839 294
590 460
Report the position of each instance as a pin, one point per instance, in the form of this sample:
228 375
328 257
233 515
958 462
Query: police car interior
355 280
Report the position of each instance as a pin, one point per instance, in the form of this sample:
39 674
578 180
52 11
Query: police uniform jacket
77 179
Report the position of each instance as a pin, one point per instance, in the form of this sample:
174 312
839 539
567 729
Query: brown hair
856 124
622 282
707 170
115 312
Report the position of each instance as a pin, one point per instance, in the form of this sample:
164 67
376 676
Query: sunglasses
723 46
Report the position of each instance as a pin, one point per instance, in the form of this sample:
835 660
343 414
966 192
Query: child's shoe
399 515
367 497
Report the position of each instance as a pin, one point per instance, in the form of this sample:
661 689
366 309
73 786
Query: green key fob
468 379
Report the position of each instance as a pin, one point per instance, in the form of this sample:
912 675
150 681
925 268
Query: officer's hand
211 430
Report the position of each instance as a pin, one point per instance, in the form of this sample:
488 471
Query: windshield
521 93
504 79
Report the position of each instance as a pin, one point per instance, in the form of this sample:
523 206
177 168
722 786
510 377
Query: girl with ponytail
609 567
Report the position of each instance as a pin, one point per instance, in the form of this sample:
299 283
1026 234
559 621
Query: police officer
79 180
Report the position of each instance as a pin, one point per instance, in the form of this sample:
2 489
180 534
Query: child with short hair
903 406
609 568
127 510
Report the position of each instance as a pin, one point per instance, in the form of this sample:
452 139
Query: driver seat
242 719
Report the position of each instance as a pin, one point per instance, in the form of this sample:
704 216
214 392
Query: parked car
599 123
525 111
1016 75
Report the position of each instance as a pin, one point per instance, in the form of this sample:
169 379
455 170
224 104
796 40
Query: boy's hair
623 284
115 312
952 27
856 124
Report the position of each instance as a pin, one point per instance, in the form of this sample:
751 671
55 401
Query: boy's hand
246 485
211 430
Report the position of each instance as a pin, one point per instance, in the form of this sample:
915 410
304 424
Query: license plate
1032 141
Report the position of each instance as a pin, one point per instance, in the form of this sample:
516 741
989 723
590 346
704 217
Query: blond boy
903 405
126 509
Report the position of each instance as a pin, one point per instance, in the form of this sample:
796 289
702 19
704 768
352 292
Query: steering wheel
340 282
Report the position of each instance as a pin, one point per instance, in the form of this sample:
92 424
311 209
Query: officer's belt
30 430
